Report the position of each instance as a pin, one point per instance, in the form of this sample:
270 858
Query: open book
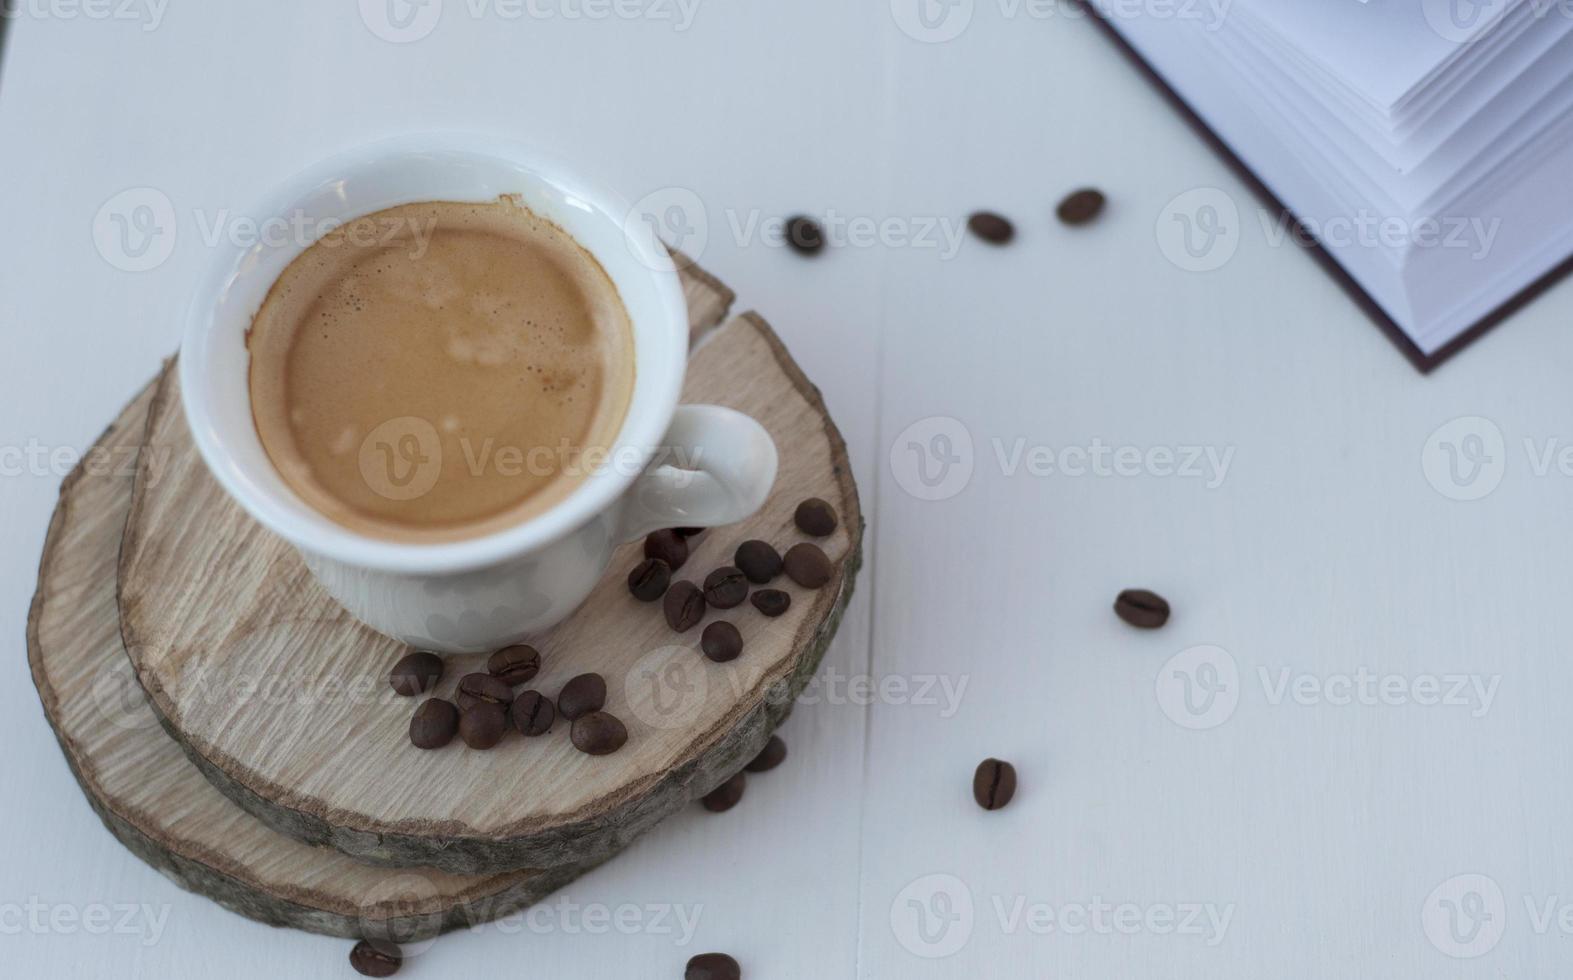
1426 145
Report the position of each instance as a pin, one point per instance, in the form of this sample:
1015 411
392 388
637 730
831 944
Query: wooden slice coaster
282 699
153 799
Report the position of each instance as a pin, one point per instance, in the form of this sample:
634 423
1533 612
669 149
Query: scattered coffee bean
376 958
773 754
816 517
483 689
726 587
598 733
721 641
483 724
758 560
1139 607
582 695
684 606
434 723
713 966
807 565
532 713
688 532
992 228
416 673
993 784
649 579
725 796
1080 207
771 602
514 665
804 235
669 546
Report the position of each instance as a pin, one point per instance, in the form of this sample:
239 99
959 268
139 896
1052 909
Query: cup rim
333 541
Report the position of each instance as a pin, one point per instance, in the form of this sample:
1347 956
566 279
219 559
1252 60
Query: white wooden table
1380 703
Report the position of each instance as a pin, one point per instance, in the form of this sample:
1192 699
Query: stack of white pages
1426 144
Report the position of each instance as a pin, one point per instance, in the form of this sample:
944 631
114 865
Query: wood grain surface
280 697
153 799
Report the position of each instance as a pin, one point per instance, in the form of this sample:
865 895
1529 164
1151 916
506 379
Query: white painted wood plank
1324 552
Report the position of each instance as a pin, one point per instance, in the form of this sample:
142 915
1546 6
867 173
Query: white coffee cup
481 593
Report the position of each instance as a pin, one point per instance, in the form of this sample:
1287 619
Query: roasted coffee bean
771 602
434 723
483 724
688 532
684 606
1080 207
713 966
804 235
582 695
1142 608
532 713
773 754
649 579
992 228
598 733
758 560
483 689
376 958
514 665
993 784
669 546
807 565
726 587
725 796
721 641
416 673
816 517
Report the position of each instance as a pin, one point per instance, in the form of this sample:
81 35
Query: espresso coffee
440 371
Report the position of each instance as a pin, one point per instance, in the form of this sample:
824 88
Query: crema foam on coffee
439 371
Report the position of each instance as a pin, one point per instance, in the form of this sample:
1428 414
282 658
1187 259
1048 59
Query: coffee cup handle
717 468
